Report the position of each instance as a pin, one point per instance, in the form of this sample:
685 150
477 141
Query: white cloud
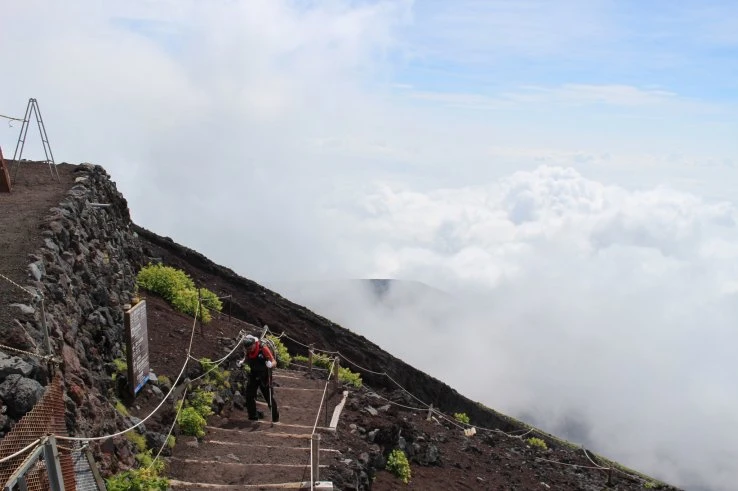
609 313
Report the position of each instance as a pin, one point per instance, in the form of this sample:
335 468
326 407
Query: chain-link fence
46 417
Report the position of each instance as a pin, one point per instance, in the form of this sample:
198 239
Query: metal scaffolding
33 109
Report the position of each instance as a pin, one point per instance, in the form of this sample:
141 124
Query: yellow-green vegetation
347 376
121 409
138 440
141 479
164 380
121 366
146 477
171 441
177 288
191 418
301 359
537 443
191 422
649 485
216 376
282 354
398 465
462 418
322 361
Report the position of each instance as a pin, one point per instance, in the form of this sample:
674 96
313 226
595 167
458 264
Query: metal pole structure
53 466
21 140
315 450
45 141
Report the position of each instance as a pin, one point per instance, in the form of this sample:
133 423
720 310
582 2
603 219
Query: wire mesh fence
46 417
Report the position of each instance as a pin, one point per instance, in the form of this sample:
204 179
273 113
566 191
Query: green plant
462 418
137 439
537 442
215 375
649 485
165 381
202 402
121 366
322 361
398 465
171 441
141 479
146 459
282 354
191 422
349 377
300 359
177 288
121 409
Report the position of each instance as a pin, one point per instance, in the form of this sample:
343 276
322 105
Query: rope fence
463 426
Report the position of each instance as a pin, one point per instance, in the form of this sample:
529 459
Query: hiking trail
236 453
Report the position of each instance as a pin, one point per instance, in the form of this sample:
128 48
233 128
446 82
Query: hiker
260 360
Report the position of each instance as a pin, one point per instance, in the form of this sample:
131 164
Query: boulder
20 394
13 365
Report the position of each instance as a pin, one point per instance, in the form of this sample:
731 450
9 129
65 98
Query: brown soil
33 194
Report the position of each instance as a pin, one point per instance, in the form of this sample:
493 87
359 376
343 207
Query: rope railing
315 425
23 450
463 426
174 385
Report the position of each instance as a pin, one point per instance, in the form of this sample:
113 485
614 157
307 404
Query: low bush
177 288
138 440
141 479
398 465
322 361
347 376
216 376
537 443
301 359
462 418
191 422
282 354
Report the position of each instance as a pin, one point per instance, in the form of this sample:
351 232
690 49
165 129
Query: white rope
570 465
174 385
317 417
166 440
593 462
26 290
23 450
218 362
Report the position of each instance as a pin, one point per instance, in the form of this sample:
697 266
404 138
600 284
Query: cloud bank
601 314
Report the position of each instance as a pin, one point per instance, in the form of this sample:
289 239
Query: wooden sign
4 175
137 344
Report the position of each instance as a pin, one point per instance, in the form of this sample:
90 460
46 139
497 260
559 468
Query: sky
566 170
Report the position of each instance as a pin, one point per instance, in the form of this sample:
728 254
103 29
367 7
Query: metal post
430 413
53 466
315 450
199 310
310 359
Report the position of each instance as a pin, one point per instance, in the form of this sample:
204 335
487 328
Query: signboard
137 344
5 185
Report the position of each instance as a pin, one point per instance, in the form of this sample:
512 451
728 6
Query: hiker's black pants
260 381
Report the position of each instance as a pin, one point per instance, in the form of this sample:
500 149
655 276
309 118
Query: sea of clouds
603 315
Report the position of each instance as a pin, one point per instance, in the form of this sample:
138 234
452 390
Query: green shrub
191 422
301 359
462 418
282 354
537 443
138 440
164 381
649 485
215 375
322 361
121 366
177 288
142 479
349 377
202 402
171 441
146 459
398 465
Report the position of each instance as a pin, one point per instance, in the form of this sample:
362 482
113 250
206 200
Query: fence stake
315 449
310 359
337 385
609 477
430 413
53 465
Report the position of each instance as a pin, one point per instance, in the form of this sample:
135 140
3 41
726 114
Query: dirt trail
237 453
